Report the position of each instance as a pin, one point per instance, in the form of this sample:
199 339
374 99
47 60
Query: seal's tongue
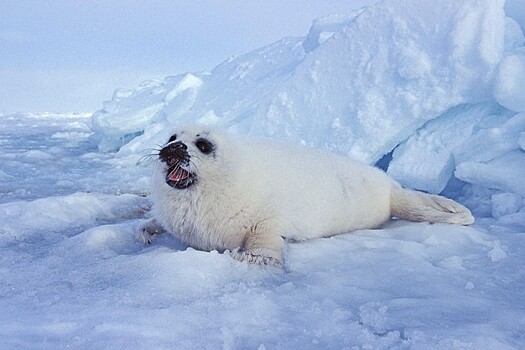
178 174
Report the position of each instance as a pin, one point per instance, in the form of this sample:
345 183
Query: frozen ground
73 275
430 91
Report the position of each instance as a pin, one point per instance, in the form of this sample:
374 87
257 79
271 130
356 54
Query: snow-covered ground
431 91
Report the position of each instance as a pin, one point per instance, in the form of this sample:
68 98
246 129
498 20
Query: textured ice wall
427 80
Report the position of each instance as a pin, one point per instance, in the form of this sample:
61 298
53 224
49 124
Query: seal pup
216 191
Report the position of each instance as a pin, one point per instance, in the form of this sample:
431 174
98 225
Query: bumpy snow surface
431 91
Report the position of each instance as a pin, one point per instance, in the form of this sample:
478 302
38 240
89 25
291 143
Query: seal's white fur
250 194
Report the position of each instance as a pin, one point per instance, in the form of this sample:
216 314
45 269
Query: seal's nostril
174 153
178 145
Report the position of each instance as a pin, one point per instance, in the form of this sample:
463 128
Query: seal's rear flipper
418 206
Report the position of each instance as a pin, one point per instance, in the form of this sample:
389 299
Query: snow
428 90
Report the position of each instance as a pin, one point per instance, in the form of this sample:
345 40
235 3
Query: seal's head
184 154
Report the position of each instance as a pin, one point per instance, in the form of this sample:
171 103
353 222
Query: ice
129 113
36 155
479 133
426 161
505 204
27 220
504 173
75 276
325 27
428 83
508 89
492 142
423 85
497 253
229 94
514 38
416 60
388 90
516 10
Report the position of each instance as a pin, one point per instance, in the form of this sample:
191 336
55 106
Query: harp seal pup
216 191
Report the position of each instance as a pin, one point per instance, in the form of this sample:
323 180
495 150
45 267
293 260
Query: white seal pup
216 191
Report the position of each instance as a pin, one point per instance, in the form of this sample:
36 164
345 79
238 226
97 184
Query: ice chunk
121 94
492 142
384 72
516 10
128 113
374 315
497 253
37 155
231 92
189 81
505 204
325 27
425 161
469 285
504 173
509 83
454 263
181 97
122 124
513 35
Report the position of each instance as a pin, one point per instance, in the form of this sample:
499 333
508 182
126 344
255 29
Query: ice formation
434 88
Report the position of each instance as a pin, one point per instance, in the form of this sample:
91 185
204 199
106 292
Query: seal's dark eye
172 138
204 146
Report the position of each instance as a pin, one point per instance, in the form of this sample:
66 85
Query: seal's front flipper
253 258
148 230
261 248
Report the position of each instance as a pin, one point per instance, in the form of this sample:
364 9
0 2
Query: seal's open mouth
177 159
178 177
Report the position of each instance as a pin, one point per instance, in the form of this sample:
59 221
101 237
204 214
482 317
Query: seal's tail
418 206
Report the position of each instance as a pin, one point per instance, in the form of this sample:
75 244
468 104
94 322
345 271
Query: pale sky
70 55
